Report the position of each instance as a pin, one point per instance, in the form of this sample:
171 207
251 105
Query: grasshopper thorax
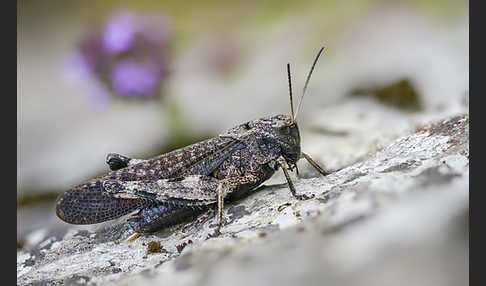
275 136
280 135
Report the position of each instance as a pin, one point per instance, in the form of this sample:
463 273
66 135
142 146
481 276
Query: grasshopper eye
284 130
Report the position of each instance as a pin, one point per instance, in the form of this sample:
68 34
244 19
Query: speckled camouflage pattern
178 185
185 180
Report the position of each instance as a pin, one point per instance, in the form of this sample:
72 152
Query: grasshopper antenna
290 91
307 82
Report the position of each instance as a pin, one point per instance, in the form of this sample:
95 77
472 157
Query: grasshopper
181 185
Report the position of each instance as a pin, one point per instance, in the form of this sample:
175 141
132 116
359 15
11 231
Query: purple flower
135 79
119 33
80 73
130 55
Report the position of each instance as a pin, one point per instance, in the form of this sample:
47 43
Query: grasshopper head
279 134
287 137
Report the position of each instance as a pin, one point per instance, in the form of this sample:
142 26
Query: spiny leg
194 190
285 169
117 161
188 193
314 164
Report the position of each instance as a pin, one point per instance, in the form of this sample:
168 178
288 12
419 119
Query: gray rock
397 214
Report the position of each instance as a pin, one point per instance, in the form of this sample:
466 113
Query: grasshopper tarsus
133 237
285 169
304 197
216 233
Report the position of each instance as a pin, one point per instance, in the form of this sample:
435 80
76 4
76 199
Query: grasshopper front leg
314 164
285 169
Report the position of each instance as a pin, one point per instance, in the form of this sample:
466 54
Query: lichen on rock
407 201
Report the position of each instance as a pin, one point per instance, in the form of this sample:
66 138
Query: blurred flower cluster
129 57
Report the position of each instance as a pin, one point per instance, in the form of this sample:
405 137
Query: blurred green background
225 63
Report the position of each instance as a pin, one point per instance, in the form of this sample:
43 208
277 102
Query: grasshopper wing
87 204
201 158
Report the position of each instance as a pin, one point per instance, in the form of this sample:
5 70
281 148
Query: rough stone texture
394 214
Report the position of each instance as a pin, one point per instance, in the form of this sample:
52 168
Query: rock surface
396 213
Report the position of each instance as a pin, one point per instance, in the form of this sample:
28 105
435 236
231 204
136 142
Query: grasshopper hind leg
160 216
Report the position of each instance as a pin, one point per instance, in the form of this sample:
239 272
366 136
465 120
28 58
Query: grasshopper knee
117 161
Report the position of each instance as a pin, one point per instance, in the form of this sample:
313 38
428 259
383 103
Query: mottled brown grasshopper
182 184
